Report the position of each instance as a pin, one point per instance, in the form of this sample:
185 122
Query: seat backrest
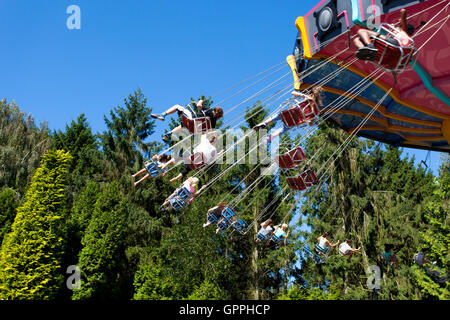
187 123
320 249
239 225
275 238
212 218
152 169
298 114
223 224
262 237
227 213
177 204
201 125
291 159
309 178
183 193
196 160
296 183
389 56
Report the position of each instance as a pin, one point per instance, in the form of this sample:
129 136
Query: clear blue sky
172 50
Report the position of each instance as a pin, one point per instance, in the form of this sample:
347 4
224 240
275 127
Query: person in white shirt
324 242
205 153
346 249
266 229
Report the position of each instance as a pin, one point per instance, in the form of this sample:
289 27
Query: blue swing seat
262 237
321 250
311 254
227 213
240 225
153 170
177 204
223 225
212 218
183 193
275 239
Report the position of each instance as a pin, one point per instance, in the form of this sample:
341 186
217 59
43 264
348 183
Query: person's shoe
205 225
162 208
166 137
158 116
368 52
259 126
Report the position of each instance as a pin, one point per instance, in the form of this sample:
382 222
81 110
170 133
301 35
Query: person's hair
316 93
410 29
222 204
213 138
348 241
268 222
218 112
325 234
195 180
164 157
284 225
388 247
424 250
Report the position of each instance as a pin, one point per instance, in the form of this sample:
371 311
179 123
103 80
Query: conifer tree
103 254
30 259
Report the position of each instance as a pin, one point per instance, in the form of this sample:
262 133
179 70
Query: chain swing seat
181 199
196 160
314 255
212 218
389 56
153 170
291 158
303 181
263 238
196 125
299 112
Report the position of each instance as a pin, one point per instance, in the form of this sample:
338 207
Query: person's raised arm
199 191
337 242
403 19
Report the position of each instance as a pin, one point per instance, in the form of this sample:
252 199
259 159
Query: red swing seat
301 112
196 160
291 158
389 56
303 181
196 125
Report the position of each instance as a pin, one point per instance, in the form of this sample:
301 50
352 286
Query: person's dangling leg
366 50
139 172
144 178
163 115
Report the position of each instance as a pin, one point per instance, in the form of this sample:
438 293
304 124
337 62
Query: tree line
67 198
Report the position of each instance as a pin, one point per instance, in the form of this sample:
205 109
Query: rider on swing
366 48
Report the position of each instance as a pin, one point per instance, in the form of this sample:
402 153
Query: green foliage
303 293
102 255
30 259
8 204
152 283
128 128
88 212
436 237
22 144
206 291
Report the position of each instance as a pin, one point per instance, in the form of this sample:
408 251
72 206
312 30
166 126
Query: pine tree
9 200
30 259
436 237
22 144
103 253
